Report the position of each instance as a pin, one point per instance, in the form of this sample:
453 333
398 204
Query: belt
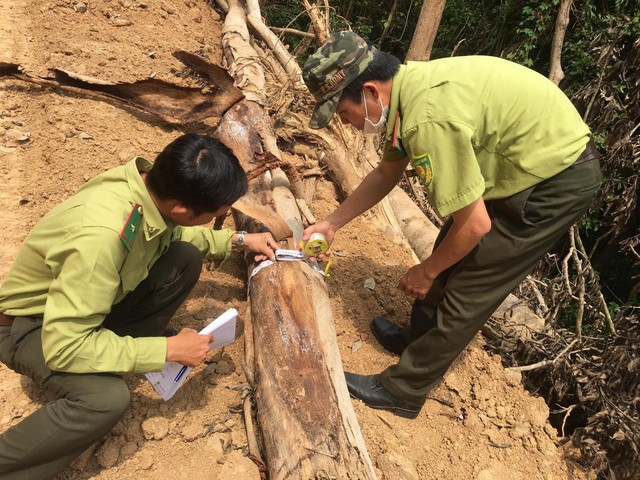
590 153
6 320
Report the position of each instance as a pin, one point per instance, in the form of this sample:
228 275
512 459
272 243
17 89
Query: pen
180 374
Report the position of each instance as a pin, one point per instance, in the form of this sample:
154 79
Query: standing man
501 152
95 284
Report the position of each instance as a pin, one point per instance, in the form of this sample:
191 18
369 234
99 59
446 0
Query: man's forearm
469 226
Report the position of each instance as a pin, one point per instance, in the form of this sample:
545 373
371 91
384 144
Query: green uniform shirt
480 126
74 266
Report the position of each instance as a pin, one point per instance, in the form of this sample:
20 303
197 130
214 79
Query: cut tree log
307 424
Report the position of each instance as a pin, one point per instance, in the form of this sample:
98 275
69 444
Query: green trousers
524 227
84 407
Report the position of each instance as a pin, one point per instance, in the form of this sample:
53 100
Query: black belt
590 153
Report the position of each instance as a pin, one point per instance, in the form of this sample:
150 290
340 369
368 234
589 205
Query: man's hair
198 171
384 67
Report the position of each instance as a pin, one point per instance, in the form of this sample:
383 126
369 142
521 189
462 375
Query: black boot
388 335
369 389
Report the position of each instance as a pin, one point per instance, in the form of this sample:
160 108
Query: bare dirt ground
480 424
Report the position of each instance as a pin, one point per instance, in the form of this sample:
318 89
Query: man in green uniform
501 152
95 284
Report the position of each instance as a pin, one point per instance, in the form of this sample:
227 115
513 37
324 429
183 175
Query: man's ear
372 88
178 209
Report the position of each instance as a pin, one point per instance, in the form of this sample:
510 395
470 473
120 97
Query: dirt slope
481 424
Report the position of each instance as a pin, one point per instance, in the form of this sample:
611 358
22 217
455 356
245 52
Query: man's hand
417 281
188 347
262 243
469 225
324 227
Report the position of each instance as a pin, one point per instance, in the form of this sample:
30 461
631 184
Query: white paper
222 328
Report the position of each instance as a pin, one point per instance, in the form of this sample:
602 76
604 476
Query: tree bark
318 21
425 32
562 21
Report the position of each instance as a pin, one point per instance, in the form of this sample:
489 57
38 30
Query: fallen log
305 417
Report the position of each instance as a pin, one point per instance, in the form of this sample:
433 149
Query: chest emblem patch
424 168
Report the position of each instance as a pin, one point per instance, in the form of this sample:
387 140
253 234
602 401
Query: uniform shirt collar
155 224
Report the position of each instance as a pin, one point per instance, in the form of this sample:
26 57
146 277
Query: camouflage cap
331 69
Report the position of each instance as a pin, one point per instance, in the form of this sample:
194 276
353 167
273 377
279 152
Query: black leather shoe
388 335
369 389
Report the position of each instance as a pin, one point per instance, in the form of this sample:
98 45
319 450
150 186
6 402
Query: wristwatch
240 239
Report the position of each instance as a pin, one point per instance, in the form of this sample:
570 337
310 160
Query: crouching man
95 284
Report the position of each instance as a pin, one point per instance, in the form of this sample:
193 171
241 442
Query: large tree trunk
308 427
425 33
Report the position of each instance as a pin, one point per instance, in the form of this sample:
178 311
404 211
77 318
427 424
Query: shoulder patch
130 228
424 168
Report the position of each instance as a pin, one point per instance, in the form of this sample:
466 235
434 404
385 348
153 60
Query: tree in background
424 33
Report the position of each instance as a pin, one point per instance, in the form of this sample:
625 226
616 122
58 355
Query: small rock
192 432
396 466
132 432
145 461
15 134
370 283
513 377
155 428
108 454
168 8
128 450
121 22
80 7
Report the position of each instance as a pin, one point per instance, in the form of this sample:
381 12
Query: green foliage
534 30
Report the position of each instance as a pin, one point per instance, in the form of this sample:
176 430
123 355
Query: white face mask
369 126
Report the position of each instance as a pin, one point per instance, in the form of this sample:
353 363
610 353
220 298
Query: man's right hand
188 347
324 227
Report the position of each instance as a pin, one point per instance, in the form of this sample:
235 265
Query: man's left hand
416 282
262 243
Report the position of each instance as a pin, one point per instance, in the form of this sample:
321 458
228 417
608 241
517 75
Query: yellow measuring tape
317 245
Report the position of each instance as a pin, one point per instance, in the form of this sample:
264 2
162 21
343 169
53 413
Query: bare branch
544 363
562 21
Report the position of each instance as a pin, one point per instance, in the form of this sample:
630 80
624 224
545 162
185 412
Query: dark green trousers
524 227
84 407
